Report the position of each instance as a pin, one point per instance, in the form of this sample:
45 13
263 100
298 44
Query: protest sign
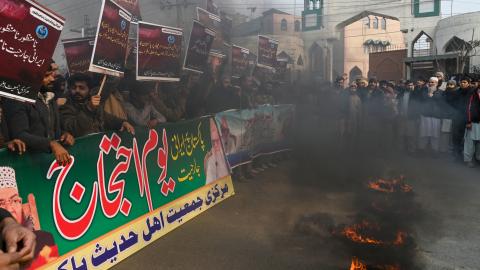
267 52
213 22
78 53
133 6
239 61
29 34
119 193
159 51
110 49
198 49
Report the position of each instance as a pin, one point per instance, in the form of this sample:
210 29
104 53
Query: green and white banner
118 194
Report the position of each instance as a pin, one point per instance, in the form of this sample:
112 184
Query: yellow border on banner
139 226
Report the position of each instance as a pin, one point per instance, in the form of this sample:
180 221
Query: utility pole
451 8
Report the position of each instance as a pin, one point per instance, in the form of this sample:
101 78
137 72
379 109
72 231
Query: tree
465 50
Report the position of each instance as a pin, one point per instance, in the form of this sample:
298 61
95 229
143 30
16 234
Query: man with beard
83 113
38 124
363 91
442 84
430 117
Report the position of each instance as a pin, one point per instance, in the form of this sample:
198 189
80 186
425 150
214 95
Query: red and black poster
159 51
28 36
239 61
214 23
110 49
78 53
267 52
133 6
201 39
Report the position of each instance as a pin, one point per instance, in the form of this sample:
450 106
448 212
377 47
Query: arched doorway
355 73
317 62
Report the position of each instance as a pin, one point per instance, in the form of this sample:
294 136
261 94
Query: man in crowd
472 132
223 97
83 113
408 105
442 84
459 101
140 109
430 117
38 124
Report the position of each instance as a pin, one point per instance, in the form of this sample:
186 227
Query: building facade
326 21
280 26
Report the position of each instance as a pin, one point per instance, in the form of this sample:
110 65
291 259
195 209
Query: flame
400 240
357 264
353 234
357 233
390 186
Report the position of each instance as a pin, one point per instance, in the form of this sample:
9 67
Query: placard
78 53
110 49
201 39
159 51
29 34
267 52
239 61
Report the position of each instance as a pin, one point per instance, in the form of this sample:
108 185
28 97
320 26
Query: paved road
277 220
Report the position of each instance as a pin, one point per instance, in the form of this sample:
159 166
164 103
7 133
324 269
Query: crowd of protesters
426 117
69 107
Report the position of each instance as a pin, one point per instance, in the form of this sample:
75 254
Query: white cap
7 178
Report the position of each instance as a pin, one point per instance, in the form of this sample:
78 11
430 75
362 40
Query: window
366 22
384 24
422 45
298 26
375 23
283 25
457 44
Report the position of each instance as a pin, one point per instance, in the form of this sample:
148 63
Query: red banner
201 39
28 36
158 54
133 6
110 49
78 53
239 61
267 52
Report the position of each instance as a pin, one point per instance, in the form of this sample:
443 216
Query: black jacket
80 121
460 101
36 124
432 106
473 108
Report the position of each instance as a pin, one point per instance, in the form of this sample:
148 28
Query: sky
459 6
